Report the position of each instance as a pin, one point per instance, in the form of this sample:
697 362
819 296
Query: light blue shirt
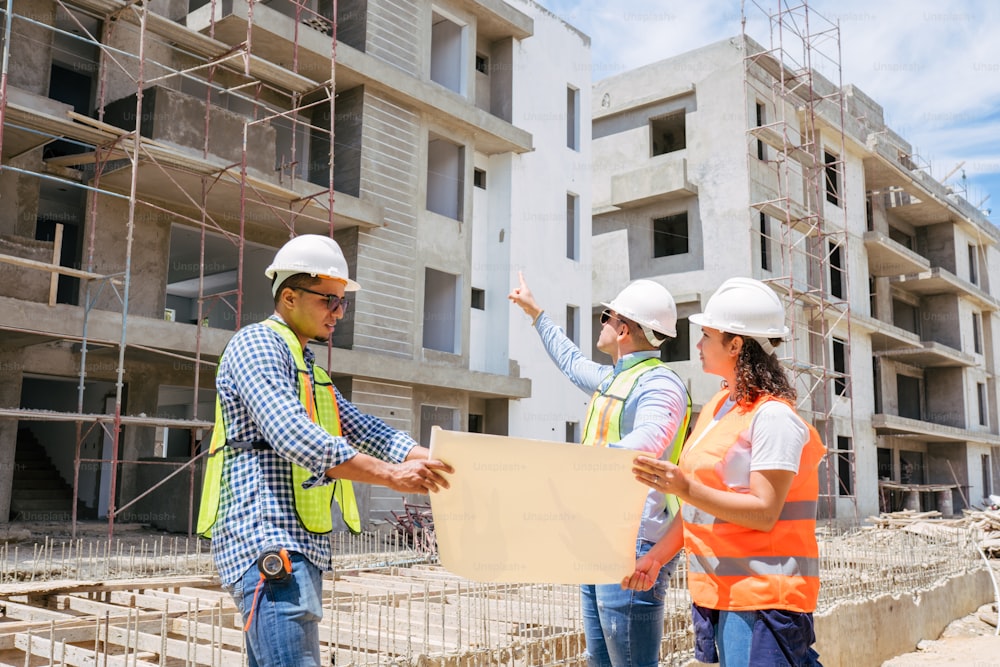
651 414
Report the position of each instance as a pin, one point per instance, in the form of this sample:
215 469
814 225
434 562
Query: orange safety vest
734 568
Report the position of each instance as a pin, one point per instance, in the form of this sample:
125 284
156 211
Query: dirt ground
967 641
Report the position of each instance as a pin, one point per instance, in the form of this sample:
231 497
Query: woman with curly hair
748 479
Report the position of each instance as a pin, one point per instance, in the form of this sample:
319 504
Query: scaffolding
796 155
111 153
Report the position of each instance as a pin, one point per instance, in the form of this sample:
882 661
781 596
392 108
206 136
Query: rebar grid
152 601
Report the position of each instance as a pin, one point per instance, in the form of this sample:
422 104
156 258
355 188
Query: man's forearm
418 452
362 468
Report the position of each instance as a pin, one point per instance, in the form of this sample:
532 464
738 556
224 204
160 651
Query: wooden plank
56 257
45 266
86 586
143 635
73 655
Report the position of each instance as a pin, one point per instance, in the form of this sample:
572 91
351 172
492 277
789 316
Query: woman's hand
663 476
647 569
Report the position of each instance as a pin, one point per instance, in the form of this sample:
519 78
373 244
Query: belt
258 445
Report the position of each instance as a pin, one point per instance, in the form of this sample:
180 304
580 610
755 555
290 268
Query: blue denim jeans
284 631
624 627
734 636
763 638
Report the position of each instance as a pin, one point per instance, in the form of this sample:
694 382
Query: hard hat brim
703 321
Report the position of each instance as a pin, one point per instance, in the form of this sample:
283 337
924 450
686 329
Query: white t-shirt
776 438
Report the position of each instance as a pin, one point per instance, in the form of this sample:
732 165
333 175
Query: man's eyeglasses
333 302
606 316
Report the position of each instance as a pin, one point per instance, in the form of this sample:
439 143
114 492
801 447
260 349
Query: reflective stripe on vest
604 415
312 506
784 566
801 510
731 567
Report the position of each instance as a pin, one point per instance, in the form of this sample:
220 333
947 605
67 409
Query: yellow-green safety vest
604 416
312 506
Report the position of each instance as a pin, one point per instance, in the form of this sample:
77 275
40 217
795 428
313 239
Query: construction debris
983 525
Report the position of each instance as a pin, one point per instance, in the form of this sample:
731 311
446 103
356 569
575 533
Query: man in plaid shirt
252 505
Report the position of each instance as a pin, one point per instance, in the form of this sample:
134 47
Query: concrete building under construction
750 159
155 155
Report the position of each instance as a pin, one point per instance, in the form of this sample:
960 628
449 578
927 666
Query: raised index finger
520 277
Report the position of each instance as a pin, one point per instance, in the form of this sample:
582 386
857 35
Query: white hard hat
319 256
745 307
648 304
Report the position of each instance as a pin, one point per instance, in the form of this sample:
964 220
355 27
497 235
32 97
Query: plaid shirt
258 387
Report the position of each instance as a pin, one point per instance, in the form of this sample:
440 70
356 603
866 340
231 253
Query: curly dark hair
759 373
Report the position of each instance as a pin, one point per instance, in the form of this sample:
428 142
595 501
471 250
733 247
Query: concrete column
944 502
11 373
883 300
138 441
912 500
880 222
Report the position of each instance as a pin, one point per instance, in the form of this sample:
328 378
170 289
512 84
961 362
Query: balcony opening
832 172
761 147
62 212
441 320
911 467
908 397
905 316
977 333
572 226
765 242
837 273
73 74
984 417
448 53
670 235
840 384
869 214
292 139
902 238
347 124
573 324
573 432
218 277
679 348
573 118
667 133
352 21
445 177
884 457
845 466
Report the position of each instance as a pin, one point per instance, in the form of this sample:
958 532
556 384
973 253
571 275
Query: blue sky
933 66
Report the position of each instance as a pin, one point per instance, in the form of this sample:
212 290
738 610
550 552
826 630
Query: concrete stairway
39 492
